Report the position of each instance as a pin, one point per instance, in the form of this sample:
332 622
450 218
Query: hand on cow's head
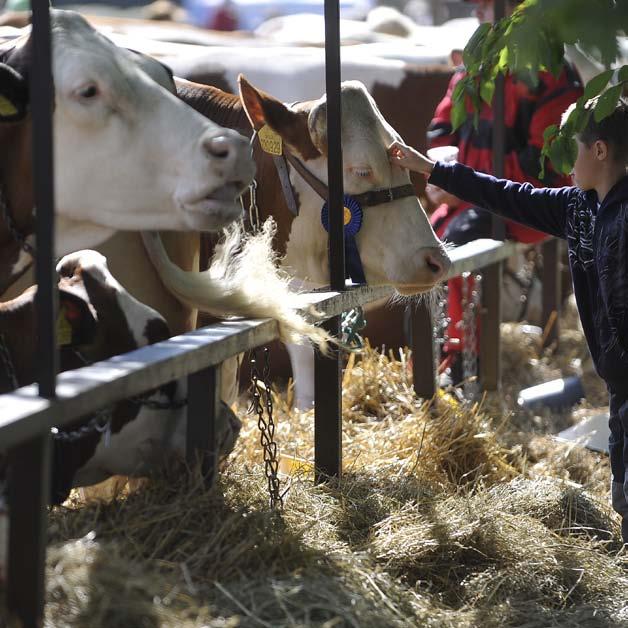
263 109
13 94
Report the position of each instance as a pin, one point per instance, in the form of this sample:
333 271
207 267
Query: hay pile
442 519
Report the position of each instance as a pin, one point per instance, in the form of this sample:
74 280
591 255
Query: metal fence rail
26 417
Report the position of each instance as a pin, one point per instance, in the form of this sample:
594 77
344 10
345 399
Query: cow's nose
225 145
218 146
437 261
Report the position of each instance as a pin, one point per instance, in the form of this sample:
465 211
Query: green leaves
607 102
472 51
597 84
532 40
459 107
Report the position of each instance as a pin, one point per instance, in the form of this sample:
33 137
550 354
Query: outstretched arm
541 208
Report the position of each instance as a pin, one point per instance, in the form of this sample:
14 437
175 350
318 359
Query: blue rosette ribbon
353 217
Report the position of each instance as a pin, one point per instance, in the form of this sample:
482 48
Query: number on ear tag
270 141
64 329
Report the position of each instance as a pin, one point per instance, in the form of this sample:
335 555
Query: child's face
586 170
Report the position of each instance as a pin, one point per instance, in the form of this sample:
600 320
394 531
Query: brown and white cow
130 155
396 243
98 319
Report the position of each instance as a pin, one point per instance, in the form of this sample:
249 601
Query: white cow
129 155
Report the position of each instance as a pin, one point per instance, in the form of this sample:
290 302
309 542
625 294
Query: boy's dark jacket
597 239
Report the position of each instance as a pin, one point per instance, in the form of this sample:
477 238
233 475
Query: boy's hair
613 129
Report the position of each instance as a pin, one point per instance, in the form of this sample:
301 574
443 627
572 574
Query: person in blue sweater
592 217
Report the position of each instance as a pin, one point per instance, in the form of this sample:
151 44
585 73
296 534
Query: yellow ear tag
347 215
64 329
7 108
270 141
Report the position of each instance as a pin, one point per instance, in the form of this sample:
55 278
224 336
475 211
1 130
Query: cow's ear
13 94
263 109
76 323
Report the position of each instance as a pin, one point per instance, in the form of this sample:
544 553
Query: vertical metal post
490 354
551 290
328 369
29 463
203 409
28 496
423 350
499 128
41 102
328 410
334 146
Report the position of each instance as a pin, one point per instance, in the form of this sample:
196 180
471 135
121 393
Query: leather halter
366 199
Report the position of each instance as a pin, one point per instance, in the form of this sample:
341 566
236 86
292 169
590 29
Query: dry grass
448 515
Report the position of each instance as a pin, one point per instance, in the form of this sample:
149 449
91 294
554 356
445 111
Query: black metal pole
203 409
328 369
334 146
499 128
41 101
28 496
29 464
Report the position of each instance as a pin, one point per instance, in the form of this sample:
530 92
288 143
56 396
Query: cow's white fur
117 162
119 166
365 138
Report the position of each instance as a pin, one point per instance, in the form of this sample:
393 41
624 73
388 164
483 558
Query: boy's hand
404 156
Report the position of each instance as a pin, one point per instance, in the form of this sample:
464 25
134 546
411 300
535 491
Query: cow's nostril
218 146
434 264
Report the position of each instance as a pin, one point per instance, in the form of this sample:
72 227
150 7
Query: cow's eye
88 92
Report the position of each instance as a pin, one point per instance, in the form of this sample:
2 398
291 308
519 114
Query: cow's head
128 153
396 242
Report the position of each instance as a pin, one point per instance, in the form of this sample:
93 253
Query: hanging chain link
15 233
352 323
99 423
470 310
253 210
440 316
263 402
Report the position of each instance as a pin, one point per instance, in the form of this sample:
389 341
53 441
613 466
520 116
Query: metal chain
470 309
352 323
100 422
262 401
441 325
253 210
15 233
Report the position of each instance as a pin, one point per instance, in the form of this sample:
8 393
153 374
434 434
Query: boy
528 110
593 218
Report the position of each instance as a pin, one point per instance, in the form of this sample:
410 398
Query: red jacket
528 111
